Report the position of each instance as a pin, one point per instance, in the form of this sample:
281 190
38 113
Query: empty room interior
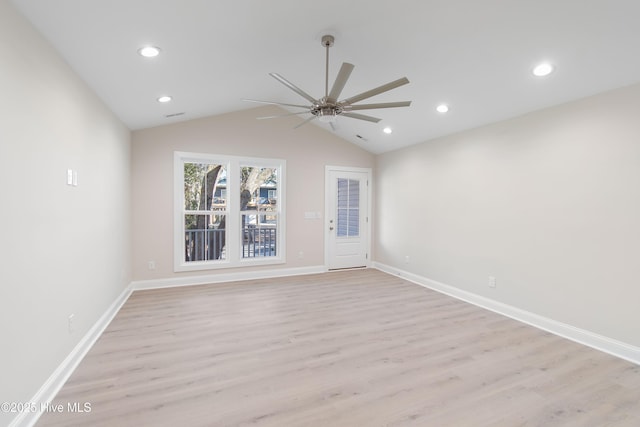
285 213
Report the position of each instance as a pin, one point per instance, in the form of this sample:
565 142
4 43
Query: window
229 211
204 215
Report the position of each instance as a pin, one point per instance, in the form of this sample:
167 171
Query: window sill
218 265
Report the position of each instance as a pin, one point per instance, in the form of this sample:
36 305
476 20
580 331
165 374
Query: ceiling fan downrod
327 42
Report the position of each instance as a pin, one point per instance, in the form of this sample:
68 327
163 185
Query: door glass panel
348 206
354 193
343 193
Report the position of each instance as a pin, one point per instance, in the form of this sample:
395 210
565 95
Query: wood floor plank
350 348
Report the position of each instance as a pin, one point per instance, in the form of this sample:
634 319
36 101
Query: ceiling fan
327 108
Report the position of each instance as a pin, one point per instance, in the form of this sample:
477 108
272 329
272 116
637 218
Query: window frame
233 246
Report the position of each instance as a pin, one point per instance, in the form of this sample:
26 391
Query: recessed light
543 69
149 51
387 130
442 108
164 99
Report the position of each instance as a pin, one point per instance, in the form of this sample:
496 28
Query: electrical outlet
492 282
407 259
71 323
152 265
300 255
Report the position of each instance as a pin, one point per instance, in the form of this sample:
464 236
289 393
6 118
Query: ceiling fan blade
361 117
305 122
277 103
376 106
293 87
341 80
283 115
381 89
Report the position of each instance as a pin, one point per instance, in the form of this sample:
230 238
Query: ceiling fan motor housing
326 110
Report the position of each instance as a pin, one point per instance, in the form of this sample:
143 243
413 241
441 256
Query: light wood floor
352 348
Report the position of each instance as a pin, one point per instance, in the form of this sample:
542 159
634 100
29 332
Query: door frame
327 203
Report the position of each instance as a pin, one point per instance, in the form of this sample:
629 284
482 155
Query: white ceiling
475 55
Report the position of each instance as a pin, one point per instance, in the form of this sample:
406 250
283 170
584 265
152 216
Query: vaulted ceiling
475 56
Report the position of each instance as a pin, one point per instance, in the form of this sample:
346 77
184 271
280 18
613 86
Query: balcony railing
209 244
258 242
204 245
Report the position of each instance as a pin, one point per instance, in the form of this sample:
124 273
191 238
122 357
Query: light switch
69 177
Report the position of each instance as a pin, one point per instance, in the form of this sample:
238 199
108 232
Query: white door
347 217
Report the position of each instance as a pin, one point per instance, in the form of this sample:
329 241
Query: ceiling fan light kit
328 108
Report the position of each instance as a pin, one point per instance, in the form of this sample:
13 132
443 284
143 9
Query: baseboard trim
599 342
55 382
225 277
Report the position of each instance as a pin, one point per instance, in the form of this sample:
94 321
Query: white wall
63 249
306 150
548 203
